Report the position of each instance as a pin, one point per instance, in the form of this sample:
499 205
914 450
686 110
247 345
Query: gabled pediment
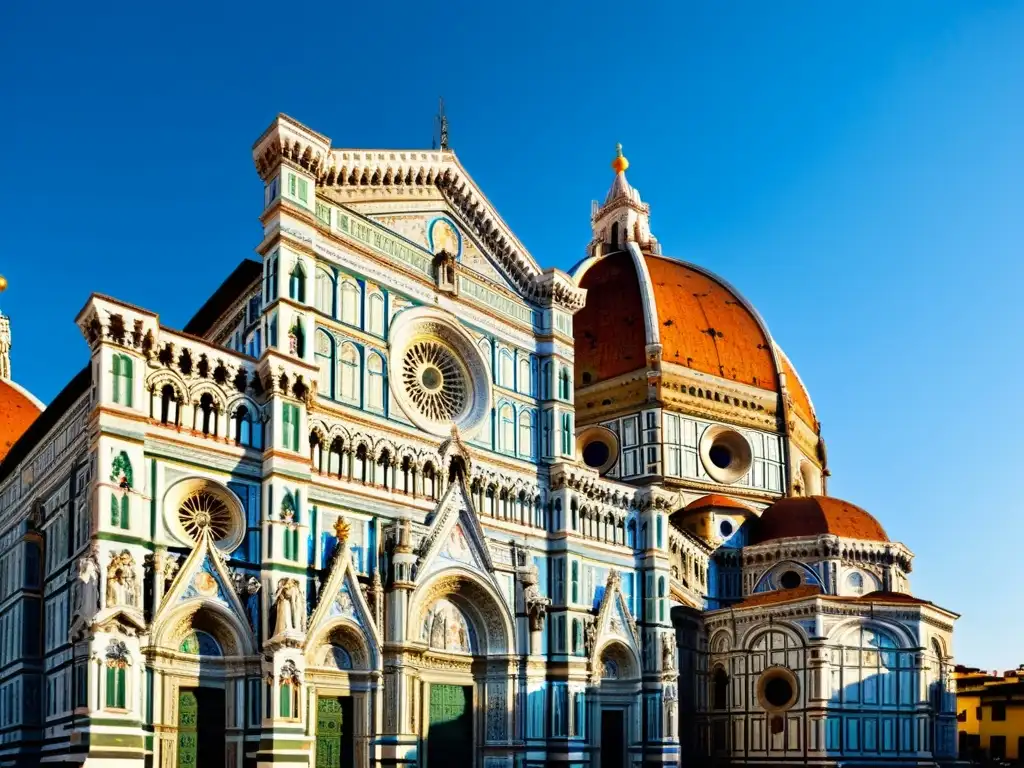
614 621
456 538
204 579
341 601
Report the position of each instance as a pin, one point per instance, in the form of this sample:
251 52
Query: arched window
350 294
546 379
870 670
167 398
661 598
349 374
375 382
564 384
360 470
375 322
508 371
325 291
325 362
485 351
615 233
525 379
122 372
270 292
566 434
506 430
208 414
243 426
526 447
856 583
429 481
659 524
575 582
297 283
719 689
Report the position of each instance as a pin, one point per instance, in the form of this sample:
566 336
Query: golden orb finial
3 283
620 163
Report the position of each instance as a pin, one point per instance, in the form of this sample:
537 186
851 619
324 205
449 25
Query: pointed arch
480 603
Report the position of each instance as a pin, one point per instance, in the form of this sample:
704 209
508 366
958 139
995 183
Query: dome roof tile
17 412
799 516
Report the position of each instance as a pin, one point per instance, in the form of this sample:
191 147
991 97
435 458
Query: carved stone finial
341 530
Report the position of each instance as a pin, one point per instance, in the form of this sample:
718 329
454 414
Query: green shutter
115 511
295 429
291 184
286 415
124 511
117 378
303 190
286 700
127 374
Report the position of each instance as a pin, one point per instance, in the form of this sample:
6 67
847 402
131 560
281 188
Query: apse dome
800 516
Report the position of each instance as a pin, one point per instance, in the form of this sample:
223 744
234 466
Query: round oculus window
435 380
196 508
438 376
595 453
777 689
790 580
726 528
725 454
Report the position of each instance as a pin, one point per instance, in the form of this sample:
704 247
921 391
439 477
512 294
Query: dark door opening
613 739
335 746
450 729
201 733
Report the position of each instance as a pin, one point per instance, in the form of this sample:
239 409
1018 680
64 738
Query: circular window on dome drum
195 508
725 454
438 375
777 689
790 580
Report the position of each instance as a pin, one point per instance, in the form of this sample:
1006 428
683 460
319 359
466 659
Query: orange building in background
990 714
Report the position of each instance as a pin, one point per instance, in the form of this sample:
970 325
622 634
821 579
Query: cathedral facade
398 496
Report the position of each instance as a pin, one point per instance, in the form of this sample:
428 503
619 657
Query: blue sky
855 168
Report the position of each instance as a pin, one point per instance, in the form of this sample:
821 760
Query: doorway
201 728
450 729
335 747
613 741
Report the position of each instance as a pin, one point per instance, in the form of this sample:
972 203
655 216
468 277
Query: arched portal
615 693
462 698
204 663
341 659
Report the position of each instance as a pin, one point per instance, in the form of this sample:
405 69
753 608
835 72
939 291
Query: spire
620 187
5 339
441 125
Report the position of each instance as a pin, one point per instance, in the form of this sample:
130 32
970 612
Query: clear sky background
856 169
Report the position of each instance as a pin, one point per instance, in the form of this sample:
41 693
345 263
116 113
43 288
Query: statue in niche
589 637
87 586
122 587
668 653
290 607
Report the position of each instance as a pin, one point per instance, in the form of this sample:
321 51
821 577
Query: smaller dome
715 501
800 516
17 412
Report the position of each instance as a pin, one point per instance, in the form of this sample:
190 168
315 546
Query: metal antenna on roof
440 128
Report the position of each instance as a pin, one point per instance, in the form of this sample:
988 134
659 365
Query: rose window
438 376
434 380
196 507
203 511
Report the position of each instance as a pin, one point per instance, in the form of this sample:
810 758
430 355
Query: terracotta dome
799 516
716 500
703 324
17 412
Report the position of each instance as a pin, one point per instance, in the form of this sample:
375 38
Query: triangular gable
204 576
341 597
437 230
614 621
455 538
